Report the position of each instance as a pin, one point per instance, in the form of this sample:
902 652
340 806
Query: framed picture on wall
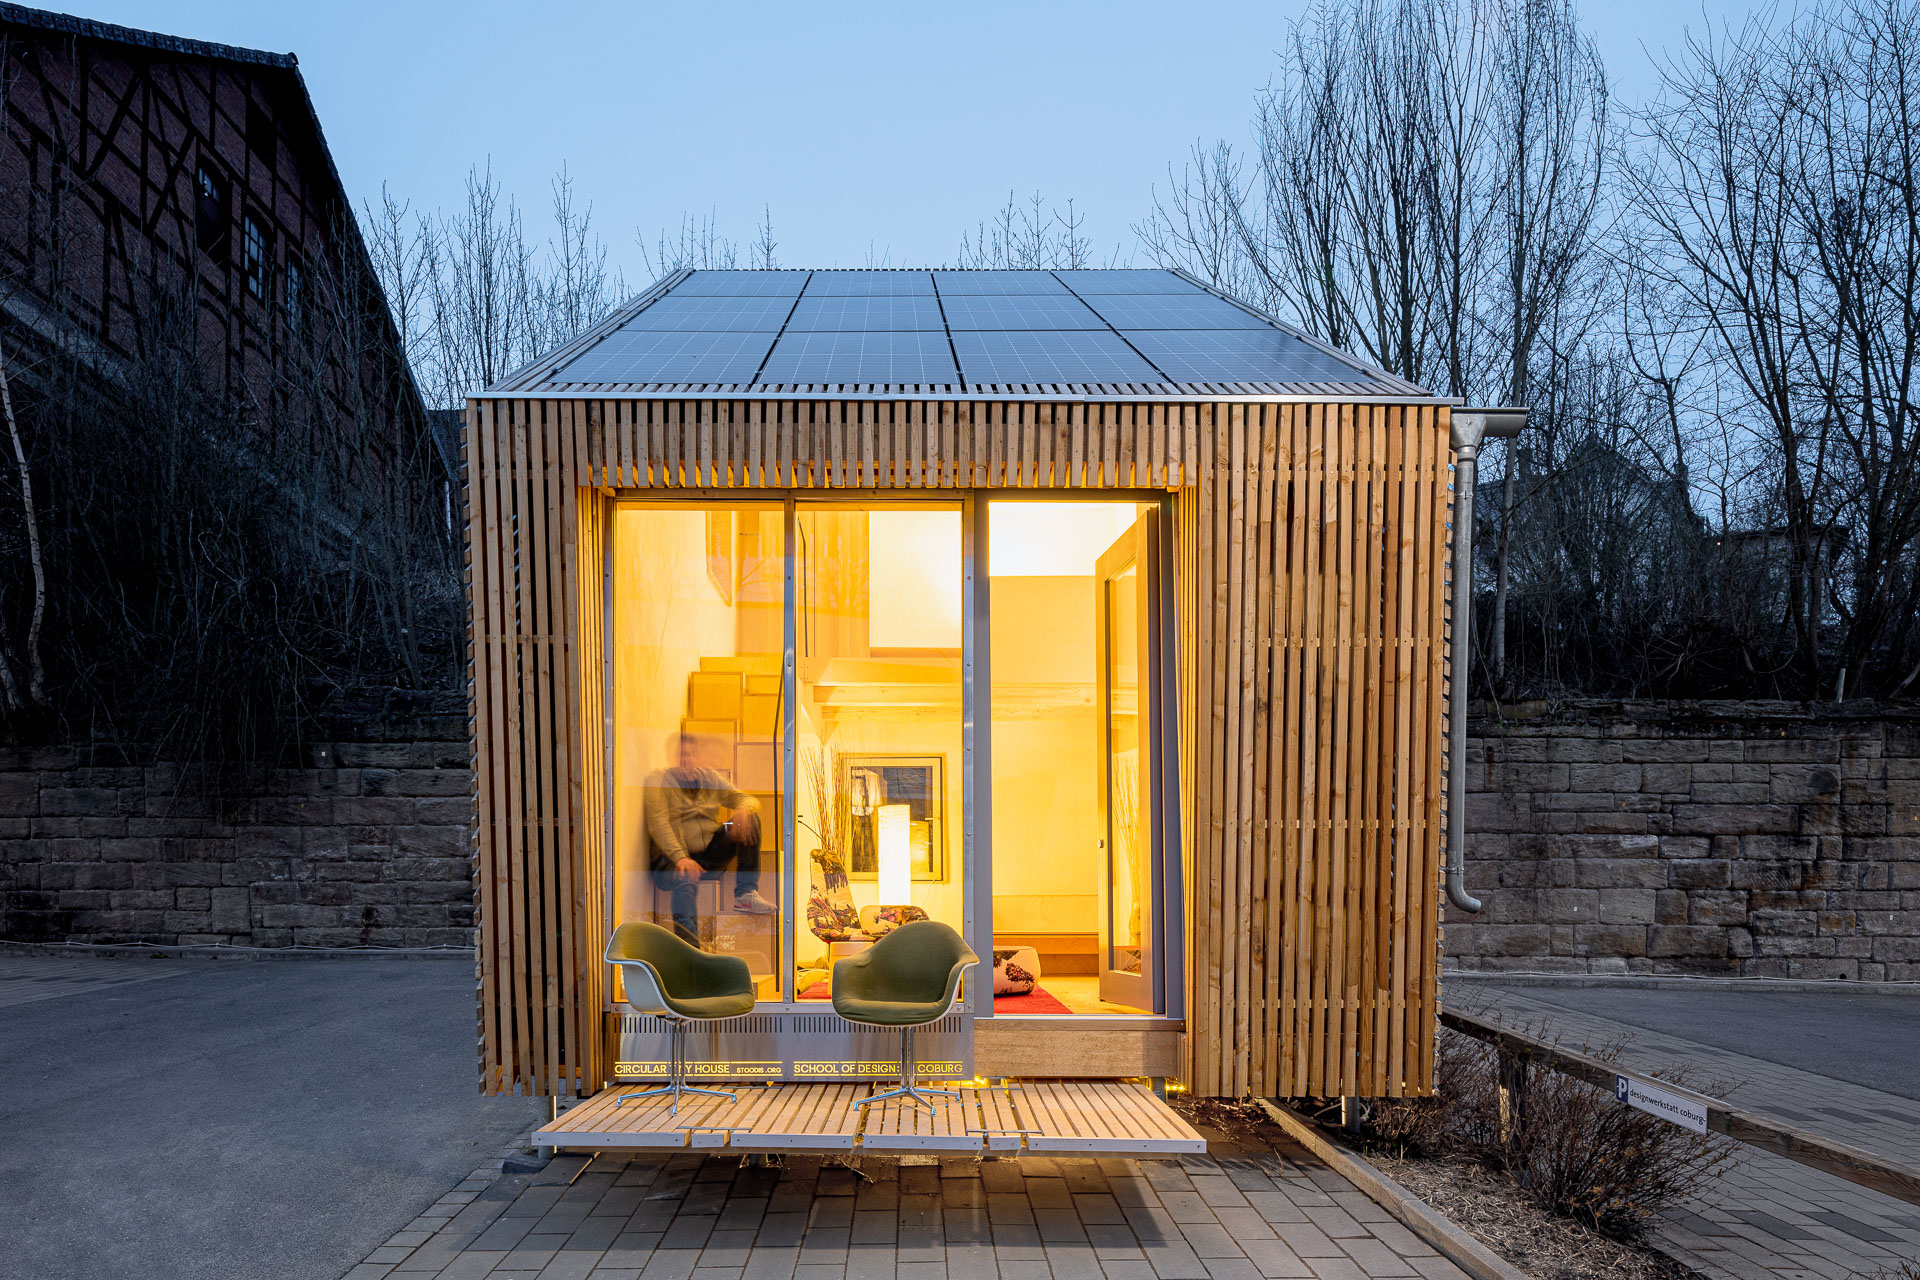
920 783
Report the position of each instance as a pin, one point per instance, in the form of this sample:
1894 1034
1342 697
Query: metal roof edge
985 397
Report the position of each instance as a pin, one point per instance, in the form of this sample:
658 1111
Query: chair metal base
909 1086
676 1090
676 1077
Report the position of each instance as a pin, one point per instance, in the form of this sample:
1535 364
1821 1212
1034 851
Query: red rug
1035 1002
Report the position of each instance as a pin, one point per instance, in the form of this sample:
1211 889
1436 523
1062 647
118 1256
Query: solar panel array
987 328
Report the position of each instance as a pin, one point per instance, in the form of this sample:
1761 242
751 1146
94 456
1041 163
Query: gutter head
1471 426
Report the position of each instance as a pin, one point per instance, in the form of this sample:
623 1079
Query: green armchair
671 979
907 979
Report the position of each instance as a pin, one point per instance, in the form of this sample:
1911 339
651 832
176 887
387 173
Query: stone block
1513 940
1664 751
1784 924
375 810
1786 900
19 794
229 911
1603 777
1793 750
437 812
1699 873
1825 969
1609 940
383 755
1901 950
1621 873
87 801
193 899
1576 802
1666 779
293 811
1674 940
1627 907
1583 750
1598 823
1717 906
1792 784
1570 906
1770 874
1730 794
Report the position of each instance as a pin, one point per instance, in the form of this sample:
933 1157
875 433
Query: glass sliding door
1076 892
878 694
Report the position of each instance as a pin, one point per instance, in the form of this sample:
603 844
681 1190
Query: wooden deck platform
1090 1117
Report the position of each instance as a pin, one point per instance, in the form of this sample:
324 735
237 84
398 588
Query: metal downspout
1470 426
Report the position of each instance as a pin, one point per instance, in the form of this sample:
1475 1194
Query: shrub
1569 1146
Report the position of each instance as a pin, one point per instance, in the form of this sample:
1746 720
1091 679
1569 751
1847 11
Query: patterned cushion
1016 970
878 922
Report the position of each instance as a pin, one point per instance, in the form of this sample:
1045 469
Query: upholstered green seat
907 979
688 982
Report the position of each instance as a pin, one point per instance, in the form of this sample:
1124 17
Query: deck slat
953 1126
1104 1116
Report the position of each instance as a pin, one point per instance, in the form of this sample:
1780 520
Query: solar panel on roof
694 314
1194 310
628 355
868 284
1241 355
1127 281
743 284
867 315
1050 356
997 282
1017 311
860 357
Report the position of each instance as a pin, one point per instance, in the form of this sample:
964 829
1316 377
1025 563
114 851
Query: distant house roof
1137 335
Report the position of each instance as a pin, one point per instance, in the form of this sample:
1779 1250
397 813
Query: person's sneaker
752 904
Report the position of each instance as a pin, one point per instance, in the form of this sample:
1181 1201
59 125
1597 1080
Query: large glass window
878 680
698 641
702 696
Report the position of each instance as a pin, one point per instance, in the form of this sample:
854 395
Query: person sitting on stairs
691 843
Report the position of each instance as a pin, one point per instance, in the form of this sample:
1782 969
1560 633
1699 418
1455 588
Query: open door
1125 588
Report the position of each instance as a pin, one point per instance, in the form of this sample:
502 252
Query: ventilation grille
773 1024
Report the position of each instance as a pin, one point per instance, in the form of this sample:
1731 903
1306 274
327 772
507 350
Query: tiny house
1091 613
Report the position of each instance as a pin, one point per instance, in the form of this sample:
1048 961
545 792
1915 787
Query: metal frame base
677 1077
909 1086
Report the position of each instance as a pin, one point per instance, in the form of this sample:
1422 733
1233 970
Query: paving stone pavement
1765 1217
1234 1214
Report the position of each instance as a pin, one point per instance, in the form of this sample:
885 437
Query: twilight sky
884 127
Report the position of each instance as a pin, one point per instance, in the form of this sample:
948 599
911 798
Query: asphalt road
237 1119
1856 1036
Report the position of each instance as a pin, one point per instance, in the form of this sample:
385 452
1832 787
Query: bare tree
474 297
1550 105
1031 237
1776 191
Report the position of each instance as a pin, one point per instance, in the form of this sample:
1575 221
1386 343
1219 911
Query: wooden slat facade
1311 602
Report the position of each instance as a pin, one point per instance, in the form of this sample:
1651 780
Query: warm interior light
893 836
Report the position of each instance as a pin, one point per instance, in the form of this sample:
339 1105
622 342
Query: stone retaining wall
366 846
1762 839
1755 839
